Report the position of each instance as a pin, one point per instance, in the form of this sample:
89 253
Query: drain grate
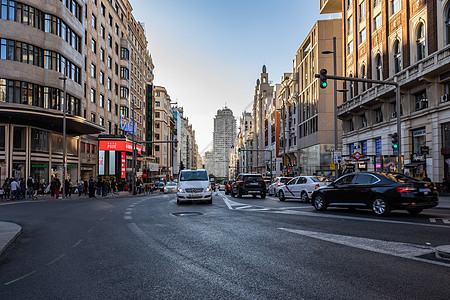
187 214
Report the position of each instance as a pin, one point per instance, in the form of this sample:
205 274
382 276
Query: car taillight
406 189
317 186
279 183
228 185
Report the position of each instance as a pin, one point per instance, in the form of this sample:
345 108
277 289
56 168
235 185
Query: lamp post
336 170
64 79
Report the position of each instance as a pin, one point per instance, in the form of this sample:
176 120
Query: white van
193 185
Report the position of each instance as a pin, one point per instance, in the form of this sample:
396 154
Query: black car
249 184
381 192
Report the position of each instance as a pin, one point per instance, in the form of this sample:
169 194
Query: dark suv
249 184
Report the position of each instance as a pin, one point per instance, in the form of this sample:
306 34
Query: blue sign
127 126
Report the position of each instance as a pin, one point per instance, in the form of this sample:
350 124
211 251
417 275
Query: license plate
425 190
252 184
189 195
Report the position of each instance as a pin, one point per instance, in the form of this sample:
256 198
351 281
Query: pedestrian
91 188
86 187
52 187
42 186
66 187
30 186
22 188
57 187
99 187
6 189
113 185
80 187
35 190
125 187
2 193
15 187
105 187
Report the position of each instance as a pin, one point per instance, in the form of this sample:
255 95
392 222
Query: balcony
330 6
432 66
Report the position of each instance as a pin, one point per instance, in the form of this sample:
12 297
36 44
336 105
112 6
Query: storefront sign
418 157
112 162
118 146
123 165
362 166
101 162
425 150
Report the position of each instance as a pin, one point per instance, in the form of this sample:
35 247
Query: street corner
8 233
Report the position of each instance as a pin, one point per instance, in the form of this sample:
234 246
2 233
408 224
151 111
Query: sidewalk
444 202
8 233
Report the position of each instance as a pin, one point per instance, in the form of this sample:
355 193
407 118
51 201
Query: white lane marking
404 250
129 208
259 209
127 217
432 220
446 221
243 207
128 213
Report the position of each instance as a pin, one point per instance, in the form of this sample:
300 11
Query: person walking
113 186
30 186
57 187
91 187
80 187
22 189
6 189
15 187
99 187
105 188
52 187
35 190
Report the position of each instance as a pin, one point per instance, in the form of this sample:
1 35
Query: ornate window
379 68
420 41
363 75
397 57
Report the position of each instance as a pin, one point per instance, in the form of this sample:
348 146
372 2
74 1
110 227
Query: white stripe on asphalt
127 217
404 250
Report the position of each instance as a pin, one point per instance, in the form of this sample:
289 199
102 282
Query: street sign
357 155
337 156
332 166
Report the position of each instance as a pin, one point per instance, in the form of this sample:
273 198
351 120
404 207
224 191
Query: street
149 247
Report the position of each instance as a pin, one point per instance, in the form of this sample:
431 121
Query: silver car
170 187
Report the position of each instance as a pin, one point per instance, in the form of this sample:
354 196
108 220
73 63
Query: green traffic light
324 85
395 146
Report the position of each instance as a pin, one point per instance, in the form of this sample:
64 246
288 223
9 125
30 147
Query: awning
414 164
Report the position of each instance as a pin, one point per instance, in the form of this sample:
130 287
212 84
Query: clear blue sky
210 52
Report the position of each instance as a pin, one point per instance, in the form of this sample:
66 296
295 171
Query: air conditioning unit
444 98
394 115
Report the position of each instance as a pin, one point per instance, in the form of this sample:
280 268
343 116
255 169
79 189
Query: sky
209 53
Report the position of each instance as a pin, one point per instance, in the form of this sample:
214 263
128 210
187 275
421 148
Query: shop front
115 158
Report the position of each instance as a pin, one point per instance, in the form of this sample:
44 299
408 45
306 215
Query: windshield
194 176
284 180
253 178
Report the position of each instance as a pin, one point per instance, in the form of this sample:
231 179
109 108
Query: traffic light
239 151
395 141
323 78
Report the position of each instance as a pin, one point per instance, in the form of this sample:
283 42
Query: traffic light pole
397 100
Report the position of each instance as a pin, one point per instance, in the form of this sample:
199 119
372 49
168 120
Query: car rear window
400 178
284 180
252 178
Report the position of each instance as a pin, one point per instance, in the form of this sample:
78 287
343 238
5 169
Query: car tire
414 211
304 197
254 195
281 196
380 207
319 202
263 196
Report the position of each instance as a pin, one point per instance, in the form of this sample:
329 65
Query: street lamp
336 170
64 79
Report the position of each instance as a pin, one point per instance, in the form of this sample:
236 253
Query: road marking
403 250
127 217
20 278
55 260
128 213
129 208
90 229
434 220
76 244
244 207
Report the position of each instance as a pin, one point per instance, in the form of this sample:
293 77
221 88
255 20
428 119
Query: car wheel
254 195
304 197
414 211
380 207
263 196
319 202
281 196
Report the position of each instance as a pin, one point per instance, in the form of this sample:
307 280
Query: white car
194 185
170 187
275 186
301 187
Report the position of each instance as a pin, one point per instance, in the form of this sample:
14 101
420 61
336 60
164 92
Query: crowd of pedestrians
16 189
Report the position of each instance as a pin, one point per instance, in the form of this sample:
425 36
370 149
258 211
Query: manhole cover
187 214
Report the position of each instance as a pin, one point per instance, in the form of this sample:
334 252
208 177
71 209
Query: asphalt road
136 248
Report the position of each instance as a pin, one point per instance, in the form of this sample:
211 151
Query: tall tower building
224 135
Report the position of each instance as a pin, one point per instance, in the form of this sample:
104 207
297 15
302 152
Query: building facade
406 42
40 43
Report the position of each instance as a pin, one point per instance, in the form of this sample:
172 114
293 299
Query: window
345 180
350 48
365 179
102 100
93 96
94 46
124 73
418 140
102 54
363 75
157 148
157 114
447 24
362 11
362 36
349 3
364 147
157 136
349 25
93 71
397 57
94 21
378 146
421 100
363 121
109 105
102 9
395 6
379 67
102 31
157 103
93 118
109 84
420 42
378 115
124 92
102 78
109 40
377 22
351 125
157 126
109 62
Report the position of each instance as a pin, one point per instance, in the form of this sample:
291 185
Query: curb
10 237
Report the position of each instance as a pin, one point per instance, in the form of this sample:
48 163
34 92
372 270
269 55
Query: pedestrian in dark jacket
91 187
30 186
57 187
